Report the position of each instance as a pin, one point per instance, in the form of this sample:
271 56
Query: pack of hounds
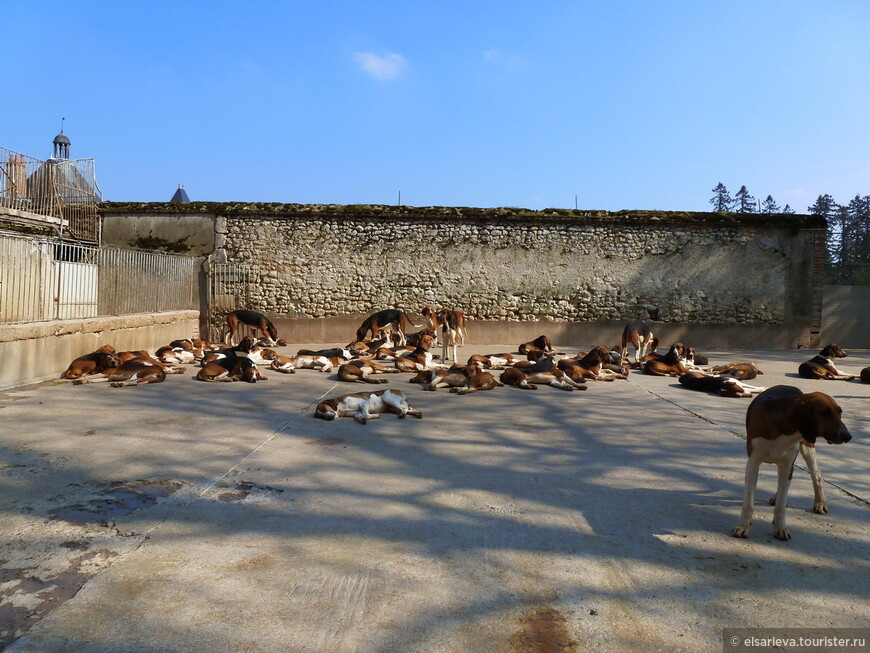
781 421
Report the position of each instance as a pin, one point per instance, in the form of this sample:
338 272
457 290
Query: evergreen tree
721 200
743 201
824 206
769 206
788 209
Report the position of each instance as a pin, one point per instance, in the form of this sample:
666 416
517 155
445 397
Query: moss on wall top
374 211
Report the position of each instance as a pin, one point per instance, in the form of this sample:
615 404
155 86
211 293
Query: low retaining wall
340 331
42 350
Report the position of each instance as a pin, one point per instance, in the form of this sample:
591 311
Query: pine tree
788 209
743 201
769 206
824 206
721 201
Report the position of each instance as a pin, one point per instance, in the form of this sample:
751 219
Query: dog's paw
781 532
741 531
820 508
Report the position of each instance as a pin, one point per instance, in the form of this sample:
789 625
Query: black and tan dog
541 343
780 422
736 370
258 321
726 386
391 319
822 365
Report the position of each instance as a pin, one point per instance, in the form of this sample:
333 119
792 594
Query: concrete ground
187 516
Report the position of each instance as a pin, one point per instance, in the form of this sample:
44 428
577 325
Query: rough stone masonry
509 264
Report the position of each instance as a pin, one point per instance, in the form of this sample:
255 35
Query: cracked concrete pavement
187 516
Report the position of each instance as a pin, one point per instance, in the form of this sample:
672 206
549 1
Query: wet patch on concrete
245 491
117 499
543 631
27 594
325 442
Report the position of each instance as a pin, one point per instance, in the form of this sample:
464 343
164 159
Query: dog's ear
802 418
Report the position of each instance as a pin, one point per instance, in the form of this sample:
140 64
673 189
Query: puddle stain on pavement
117 499
543 631
245 491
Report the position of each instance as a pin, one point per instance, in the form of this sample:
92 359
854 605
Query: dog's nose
843 436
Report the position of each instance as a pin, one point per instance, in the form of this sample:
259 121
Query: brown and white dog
235 364
541 343
822 365
360 371
780 422
96 363
418 360
391 319
673 363
289 364
725 386
594 366
492 361
258 321
452 330
543 371
739 371
637 334
364 406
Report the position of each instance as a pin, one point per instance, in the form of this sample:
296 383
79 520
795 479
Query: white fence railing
50 279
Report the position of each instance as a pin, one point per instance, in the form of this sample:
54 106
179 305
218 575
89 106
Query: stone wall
509 265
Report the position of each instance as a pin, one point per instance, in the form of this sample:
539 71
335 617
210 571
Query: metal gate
230 287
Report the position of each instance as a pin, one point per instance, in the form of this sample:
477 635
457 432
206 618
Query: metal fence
61 192
51 279
230 287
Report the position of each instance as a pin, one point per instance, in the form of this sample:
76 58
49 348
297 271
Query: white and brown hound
637 334
364 406
673 363
97 363
780 422
543 371
360 371
739 371
453 331
594 366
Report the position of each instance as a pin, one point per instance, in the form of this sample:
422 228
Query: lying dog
865 375
822 365
289 364
637 334
391 319
360 371
544 371
235 364
96 363
364 406
780 422
721 385
673 363
253 319
739 371
492 361
593 366
541 343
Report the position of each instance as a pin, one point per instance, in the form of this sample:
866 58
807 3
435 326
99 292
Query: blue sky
627 105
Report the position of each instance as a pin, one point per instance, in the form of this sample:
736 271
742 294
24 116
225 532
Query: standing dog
780 422
386 320
638 335
453 330
252 319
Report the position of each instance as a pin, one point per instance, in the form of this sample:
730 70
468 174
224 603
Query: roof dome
61 139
